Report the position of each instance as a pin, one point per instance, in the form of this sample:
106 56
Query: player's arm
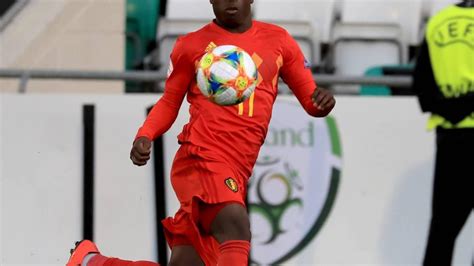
164 112
297 75
429 95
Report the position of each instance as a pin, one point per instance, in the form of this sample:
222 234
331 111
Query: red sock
234 253
99 260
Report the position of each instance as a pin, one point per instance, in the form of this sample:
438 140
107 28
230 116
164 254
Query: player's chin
231 21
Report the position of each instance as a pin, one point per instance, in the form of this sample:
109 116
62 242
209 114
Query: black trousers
452 193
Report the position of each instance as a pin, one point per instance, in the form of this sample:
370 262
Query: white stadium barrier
379 216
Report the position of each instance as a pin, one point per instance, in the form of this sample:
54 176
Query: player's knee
184 256
231 223
183 262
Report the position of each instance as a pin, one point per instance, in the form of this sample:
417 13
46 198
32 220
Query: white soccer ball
227 75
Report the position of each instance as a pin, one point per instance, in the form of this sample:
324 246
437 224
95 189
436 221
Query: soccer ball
227 75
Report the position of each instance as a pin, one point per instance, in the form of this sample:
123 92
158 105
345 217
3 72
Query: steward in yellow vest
444 82
444 75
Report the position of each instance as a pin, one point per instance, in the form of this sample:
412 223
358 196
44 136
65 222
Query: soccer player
220 144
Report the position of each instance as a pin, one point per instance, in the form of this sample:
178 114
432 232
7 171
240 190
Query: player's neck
240 28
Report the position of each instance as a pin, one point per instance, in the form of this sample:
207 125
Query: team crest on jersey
231 184
307 64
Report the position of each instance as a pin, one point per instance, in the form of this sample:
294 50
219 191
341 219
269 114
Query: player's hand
323 99
141 150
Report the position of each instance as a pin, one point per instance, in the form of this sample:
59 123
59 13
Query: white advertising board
377 213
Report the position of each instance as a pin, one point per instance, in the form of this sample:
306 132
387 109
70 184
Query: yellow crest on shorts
231 184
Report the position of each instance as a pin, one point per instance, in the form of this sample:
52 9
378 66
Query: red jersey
231 134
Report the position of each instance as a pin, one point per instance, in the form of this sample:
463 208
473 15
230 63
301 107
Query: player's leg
231 228
203 192
231 223
184 256
101 260
86 253
180 256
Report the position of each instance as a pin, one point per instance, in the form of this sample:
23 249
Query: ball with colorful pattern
227 75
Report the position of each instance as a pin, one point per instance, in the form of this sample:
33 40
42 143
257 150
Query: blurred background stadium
76 79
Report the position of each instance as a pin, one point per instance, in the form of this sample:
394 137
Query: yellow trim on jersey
251 102
241 108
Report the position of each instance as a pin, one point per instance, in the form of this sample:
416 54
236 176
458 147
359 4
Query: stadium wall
78 35
379 216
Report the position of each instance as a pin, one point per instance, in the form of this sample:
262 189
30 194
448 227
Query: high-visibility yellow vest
450 38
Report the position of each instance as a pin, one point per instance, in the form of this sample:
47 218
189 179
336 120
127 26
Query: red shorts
203 185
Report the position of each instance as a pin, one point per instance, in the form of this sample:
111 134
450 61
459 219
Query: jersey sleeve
297 75
163 114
